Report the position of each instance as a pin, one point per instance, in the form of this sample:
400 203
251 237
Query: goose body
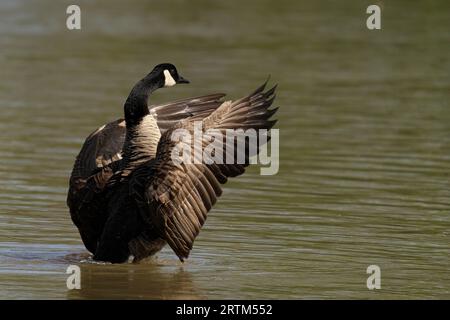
127 197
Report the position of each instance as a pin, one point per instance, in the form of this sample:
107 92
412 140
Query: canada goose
127 197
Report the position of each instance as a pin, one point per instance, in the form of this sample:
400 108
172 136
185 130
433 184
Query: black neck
136 106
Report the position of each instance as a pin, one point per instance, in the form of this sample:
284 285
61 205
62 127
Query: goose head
165 75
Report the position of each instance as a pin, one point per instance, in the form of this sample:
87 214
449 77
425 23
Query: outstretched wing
179 196
169 114
101 147
96 163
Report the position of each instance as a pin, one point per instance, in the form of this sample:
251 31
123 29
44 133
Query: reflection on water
364 131
143 281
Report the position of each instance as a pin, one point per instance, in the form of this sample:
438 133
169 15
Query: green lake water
364 125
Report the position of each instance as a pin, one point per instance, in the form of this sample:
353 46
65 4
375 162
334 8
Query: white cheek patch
169 81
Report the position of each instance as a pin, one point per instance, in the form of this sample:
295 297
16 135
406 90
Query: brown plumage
126 195
100 157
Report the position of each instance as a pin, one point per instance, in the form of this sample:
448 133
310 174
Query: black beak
182 80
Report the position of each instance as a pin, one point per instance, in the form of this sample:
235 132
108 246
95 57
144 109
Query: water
364 124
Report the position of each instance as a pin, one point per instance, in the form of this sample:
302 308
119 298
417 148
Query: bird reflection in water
154 279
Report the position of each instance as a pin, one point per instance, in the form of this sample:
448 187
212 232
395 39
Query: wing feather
179 196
